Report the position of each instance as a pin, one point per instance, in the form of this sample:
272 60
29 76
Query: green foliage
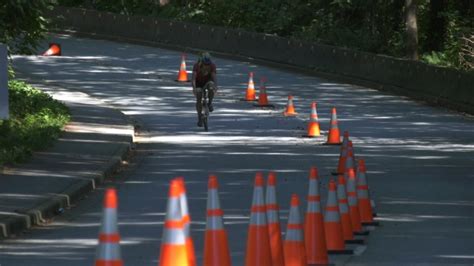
129 7
456 28
22 24
370 25
11 72
437 58
36 120
366 25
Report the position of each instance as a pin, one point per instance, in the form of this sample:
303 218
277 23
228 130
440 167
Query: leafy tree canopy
22 24
445 27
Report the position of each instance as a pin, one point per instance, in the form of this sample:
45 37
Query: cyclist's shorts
210 86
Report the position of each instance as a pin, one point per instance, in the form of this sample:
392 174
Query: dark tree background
436 31
22 24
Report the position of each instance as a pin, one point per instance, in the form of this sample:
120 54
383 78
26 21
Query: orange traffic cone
332 223
290 108
350 148
274 230
173 246
108 251
334 137
182 74
344 209
53 50
315 240
258 245
216 247
186 222
262 96
345 138
363 196
342 157
349 168
293 246
313 125
250 94
353 202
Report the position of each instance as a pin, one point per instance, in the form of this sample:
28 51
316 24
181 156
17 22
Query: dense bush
370 25
36 120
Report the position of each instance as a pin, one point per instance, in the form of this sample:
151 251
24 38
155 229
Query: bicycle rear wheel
204 122
205 110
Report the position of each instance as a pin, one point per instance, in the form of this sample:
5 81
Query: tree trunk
437 26
411 29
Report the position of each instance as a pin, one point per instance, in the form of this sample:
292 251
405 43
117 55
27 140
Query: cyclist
204 75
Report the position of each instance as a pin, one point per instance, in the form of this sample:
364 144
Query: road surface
420 159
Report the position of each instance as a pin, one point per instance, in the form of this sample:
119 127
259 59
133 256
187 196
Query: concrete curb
55 204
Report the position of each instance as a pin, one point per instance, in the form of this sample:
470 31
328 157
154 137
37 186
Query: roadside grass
36 121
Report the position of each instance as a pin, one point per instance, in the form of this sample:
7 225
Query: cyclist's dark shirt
203 73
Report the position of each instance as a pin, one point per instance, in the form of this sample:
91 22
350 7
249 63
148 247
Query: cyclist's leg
211 95
198 93
211 90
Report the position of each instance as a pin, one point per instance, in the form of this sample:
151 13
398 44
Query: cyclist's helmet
206 58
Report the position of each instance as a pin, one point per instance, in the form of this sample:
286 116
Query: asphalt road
420 159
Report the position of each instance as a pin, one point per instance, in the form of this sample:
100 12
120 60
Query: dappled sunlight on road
419 158
210 138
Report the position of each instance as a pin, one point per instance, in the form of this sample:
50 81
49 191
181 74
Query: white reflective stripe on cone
349 162
313 187
343 151
331 212
108 251
272 216
352 200
109 222
332 216
184 203
258 218
173 212
258 196
294 235
214 223
187 229
313 207
362 194
185 211
332 199
345 142
174 236
295 217
213 200
334 124
270 197
343 208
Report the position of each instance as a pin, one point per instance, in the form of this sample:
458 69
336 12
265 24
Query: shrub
36 120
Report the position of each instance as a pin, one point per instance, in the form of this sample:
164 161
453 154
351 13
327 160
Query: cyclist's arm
214 78
194 80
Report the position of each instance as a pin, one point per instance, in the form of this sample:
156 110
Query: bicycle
205 107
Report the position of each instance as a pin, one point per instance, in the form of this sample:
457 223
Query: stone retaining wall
434 84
